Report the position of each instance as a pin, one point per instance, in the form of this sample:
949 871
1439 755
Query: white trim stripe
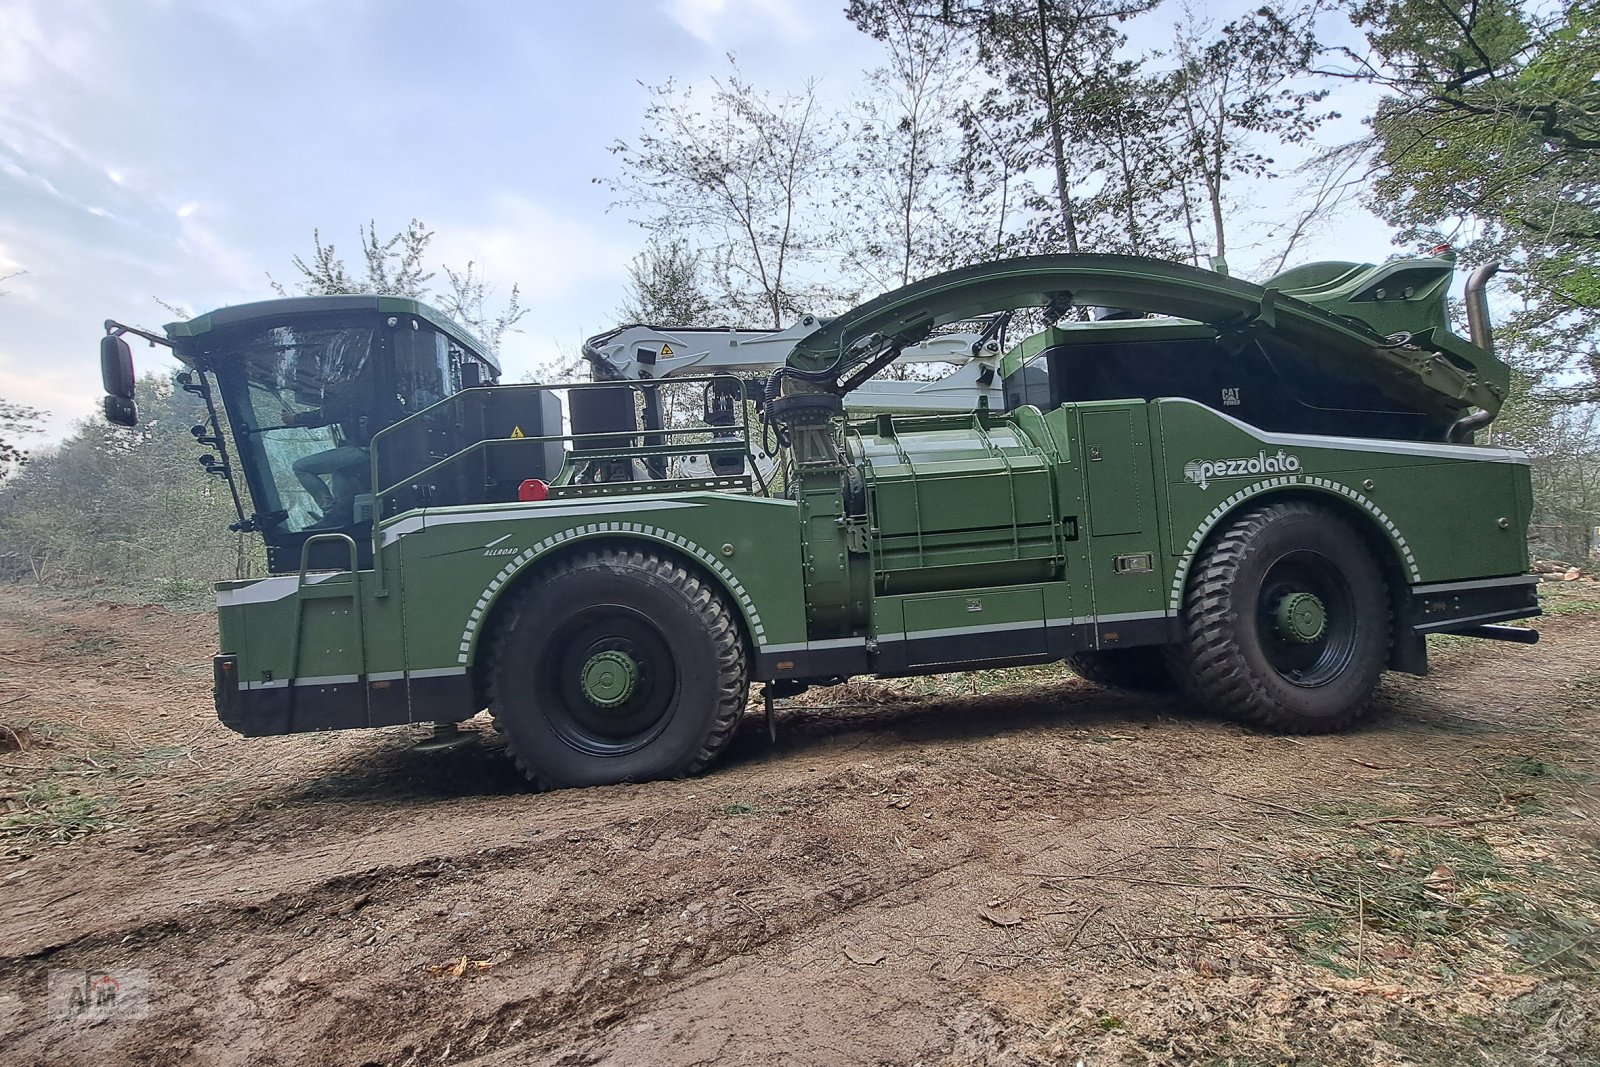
427 520
957 631
1483 583
758 629
1180 574
812 646
1436 450
270 590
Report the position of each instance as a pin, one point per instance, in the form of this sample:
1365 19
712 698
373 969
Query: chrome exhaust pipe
1478 328
1482 335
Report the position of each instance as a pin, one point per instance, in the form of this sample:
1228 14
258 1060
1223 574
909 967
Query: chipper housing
1263 496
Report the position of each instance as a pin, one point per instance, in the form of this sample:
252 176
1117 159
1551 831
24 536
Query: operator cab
305 383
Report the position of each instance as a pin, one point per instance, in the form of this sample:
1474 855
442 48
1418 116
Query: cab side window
421 366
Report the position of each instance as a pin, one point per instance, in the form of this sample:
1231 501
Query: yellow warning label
516 432
666 350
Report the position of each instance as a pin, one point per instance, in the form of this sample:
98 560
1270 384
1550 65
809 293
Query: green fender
1306 486
529 560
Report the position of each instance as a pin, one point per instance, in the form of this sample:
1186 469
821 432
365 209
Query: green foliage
397 266
16 422
1087 146
666 288
906 211
127 507
1238 95
1489 137
46 811
743 176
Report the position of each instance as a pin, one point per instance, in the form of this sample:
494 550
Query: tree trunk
1057 141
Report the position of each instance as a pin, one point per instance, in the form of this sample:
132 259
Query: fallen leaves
458 968
1001 916
864 957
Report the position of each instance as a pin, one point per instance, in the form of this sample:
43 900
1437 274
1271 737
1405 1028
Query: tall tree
17 421
1488 137
128 506
666 287
1239 93
746 177
905 214
1053 63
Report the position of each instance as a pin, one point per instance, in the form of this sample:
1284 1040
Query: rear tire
617 665
1138 670
1286 621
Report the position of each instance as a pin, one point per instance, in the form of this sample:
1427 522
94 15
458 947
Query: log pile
1555 570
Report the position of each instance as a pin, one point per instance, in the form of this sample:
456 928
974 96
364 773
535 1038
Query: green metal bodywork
973 539
978 523
1407 335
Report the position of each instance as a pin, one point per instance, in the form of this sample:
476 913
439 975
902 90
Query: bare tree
397 266
903 215
1238 92
666 287
747 178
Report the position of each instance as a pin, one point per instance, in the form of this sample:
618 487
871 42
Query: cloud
722 22
571 273
27 50
551 254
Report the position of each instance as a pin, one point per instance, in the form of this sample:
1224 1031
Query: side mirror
471 374
121 411
116 367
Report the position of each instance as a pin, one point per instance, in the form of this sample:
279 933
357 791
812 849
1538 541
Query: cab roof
243 314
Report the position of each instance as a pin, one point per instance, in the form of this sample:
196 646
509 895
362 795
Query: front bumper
273 707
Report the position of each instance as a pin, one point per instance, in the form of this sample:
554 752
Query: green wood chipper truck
1261 497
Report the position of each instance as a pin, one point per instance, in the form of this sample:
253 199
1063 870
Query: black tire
1138 670
1250 651
617 665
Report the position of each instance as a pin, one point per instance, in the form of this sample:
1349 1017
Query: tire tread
713 612
1208 665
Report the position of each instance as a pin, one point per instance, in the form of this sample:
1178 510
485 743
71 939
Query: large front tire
1286 621
617 665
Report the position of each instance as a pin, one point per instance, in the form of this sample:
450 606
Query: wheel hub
1301 618
609 678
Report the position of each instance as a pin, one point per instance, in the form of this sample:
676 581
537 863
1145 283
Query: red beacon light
533 489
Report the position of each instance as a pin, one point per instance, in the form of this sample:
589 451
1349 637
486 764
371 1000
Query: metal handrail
741 444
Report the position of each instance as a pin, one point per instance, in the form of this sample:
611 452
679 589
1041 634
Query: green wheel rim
1301 617
609 678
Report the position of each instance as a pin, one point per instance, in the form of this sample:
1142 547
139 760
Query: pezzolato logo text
1201 471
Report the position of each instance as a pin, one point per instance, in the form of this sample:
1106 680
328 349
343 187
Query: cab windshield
304 403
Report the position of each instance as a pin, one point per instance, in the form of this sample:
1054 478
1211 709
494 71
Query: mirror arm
117 329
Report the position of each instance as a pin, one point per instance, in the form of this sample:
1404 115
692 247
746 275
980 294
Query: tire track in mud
606 959
700 911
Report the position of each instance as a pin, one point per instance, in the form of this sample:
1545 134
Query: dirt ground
1006 868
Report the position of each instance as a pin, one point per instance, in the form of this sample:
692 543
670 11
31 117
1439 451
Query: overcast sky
183 149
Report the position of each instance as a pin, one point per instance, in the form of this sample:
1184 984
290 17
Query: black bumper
271 708
1449 607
